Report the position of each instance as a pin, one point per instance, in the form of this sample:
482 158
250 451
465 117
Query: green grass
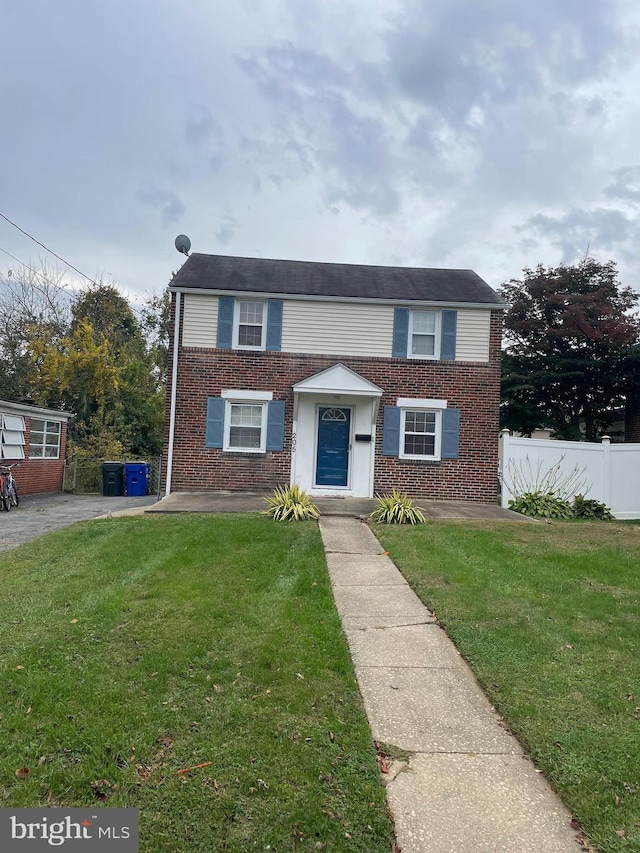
137 647
548 616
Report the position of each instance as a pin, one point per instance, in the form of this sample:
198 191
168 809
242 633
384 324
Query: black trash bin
137 474
112 479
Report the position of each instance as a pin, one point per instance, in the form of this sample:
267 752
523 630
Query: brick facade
36 476
471 387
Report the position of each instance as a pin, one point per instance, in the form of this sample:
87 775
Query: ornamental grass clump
396 508
290 503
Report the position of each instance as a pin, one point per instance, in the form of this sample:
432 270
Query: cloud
626 185
198 126
579 232
169 204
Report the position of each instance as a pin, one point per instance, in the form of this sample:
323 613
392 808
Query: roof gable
341 281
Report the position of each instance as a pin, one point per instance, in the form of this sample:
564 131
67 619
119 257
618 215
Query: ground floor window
44 439
420 434
11 436
245 426
245 421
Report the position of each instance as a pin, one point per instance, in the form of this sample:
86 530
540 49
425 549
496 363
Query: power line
66 263
61 287
34 271
51 252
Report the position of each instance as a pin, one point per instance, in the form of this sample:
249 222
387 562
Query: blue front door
332 462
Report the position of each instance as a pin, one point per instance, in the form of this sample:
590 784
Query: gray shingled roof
307 278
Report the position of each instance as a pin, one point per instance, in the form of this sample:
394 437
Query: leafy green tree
569 331
88 353
32 302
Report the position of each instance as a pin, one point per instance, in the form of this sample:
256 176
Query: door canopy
338 379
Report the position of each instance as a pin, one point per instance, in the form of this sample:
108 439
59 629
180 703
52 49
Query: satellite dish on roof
183 244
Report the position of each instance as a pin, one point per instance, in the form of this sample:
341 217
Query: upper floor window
248 330
44 439
423 334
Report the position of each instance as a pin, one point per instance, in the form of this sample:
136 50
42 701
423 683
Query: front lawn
133 649
548 616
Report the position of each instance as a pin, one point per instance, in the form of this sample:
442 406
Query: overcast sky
483 134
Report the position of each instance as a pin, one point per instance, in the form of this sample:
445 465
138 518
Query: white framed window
12 437
44 440
424 334
249 325
420 428
245 427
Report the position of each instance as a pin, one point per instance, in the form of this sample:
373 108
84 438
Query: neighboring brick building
36 438
348 380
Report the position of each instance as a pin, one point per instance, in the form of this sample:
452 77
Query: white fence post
606 470
502 468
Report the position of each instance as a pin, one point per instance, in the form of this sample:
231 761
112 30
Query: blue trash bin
137 476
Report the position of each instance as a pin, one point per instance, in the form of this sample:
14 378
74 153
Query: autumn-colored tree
87 353
568 334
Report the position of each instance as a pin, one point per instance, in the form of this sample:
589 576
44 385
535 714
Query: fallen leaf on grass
101 788
165 741
73 622
195 767
19 666
621 833
23 773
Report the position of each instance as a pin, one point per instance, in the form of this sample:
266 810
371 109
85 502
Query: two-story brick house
349 380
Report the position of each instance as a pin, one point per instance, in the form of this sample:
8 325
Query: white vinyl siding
337 328
199 320
472 337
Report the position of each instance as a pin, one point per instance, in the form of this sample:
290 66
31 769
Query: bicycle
8 489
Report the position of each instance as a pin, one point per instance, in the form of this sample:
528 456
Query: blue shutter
275 425
448 336
274 325
215 422
450 434
391 431
400 333
225 322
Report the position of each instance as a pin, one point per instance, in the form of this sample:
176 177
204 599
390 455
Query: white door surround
339 387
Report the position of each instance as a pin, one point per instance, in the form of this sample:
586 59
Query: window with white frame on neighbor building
44 439
249 325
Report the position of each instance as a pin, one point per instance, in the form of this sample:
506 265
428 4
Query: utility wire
34 271
51 252
66 263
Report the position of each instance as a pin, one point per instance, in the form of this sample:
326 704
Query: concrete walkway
467 787
357 507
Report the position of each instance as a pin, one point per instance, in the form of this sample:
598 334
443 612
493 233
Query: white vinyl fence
610 472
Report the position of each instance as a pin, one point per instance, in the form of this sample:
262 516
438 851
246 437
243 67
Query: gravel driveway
40 514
